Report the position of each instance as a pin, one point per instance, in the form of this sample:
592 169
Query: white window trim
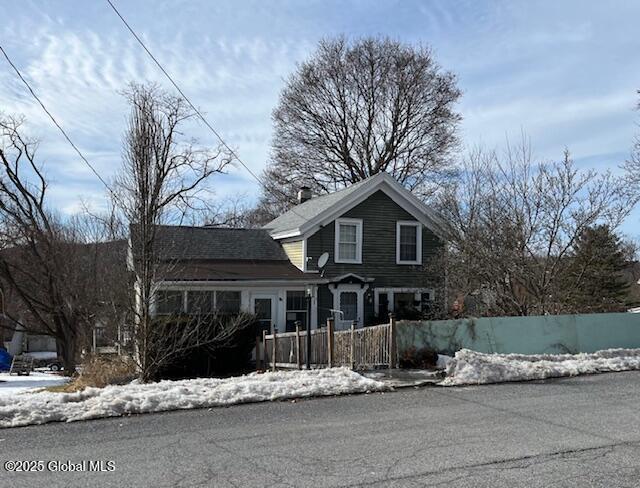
360 290
418 227
358 224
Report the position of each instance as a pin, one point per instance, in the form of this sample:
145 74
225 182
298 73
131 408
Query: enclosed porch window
296 309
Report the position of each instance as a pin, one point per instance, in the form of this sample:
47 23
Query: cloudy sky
565 72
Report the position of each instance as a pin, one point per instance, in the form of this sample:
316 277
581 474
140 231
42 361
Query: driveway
570 432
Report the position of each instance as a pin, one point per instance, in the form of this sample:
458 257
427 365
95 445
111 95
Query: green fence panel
524 335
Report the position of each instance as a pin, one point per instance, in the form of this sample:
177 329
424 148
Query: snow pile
11 385
473 368
113 401
443 361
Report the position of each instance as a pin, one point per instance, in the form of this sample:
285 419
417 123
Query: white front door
348 307
348 302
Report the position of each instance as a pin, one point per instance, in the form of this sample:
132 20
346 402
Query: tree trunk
68 354
67 345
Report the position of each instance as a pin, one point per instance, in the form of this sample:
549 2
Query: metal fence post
392 340
330 350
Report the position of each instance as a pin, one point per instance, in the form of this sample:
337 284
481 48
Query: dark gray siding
379 215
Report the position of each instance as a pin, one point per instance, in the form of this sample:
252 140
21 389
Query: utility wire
53 119
193 107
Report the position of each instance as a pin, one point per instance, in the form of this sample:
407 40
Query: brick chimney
304 194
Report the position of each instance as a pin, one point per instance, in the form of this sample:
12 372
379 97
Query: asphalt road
571 432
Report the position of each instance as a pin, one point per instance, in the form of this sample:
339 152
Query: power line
193 107
231 151
53 119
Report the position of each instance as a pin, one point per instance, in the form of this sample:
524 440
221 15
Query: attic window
348 246
408 242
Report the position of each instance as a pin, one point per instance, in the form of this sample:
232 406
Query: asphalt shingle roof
306 211
216 243
232 271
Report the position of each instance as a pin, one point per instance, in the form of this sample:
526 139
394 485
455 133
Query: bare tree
162 181
45 264
356 109
173 337
237 211
513 224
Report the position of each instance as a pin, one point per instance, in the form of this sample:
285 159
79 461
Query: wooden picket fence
364 348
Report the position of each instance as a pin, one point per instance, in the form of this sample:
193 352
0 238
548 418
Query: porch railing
356 348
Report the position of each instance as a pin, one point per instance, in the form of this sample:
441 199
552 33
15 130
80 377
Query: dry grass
99 371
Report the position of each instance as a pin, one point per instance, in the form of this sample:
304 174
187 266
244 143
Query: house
358 254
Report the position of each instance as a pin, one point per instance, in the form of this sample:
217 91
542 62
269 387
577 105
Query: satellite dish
322 260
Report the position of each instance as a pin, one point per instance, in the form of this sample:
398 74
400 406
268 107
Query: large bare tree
48 271
162 181
359 108
514 223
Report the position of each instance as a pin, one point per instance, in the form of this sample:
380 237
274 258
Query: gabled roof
306 218
215 243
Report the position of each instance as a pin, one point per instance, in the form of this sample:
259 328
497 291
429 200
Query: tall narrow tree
160 182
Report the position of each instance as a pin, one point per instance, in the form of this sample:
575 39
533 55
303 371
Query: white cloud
561 71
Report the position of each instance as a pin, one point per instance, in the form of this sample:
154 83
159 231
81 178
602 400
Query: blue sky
564 72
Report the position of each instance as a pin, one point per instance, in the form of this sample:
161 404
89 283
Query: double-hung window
408 242
348 247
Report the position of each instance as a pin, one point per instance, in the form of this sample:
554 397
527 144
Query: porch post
308 341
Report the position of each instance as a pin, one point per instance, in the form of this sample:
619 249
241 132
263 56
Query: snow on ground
12 384
114 401
473 368
443 361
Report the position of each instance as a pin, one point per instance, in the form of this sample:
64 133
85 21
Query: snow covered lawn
11 385
474 368
114 401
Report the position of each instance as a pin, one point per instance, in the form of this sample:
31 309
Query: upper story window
348 248
408 242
